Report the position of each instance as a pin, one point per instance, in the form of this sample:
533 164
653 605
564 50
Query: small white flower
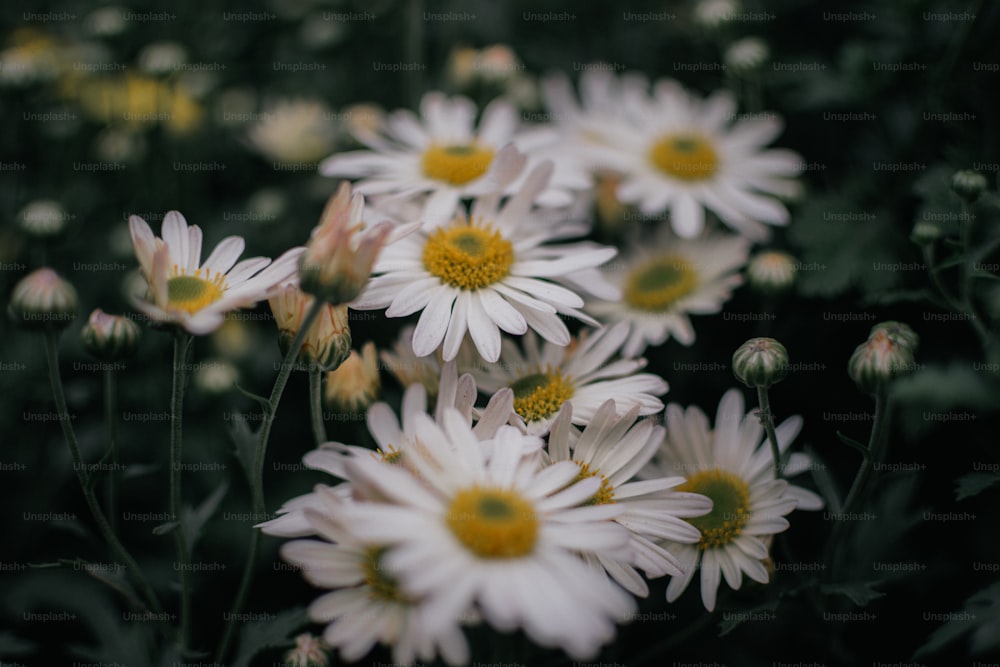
193 294
490 271
665 280
732 465
292 131
442 156
545 377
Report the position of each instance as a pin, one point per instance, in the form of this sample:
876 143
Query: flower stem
181 342
257 476
316 403
876 449
767 419
119 551
110 408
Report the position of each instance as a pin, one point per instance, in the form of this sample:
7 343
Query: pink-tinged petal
175 235
194 248
144 242
224 255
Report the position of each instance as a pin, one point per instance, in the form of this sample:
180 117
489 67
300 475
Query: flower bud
925 232
899 333
884 356
309 651
42 299
338 260
772 272
760 362
968 184
110 337
42 218
747 54
713 13
328 341
355 384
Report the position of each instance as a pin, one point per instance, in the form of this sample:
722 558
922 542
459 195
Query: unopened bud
110 337
760 362
41 300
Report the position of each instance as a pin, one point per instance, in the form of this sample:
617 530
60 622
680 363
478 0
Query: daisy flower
682 154
197 296
545 376
499 535
664 281
394 436
485 272
442 156
614 448
367 605
731 465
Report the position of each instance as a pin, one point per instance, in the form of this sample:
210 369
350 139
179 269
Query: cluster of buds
887 354
328 341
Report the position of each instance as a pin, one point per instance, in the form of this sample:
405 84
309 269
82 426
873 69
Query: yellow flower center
493 523
468 257
382 586
540 395
659 283
390 455
192 293
605 495
730 510
689 157
456 164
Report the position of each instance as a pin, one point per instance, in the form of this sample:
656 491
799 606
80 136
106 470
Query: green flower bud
110 337
925 232
328 341
968 184
881 358
899 333
42 300
772 272
760 362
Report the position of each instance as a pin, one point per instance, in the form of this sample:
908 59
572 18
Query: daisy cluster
527 483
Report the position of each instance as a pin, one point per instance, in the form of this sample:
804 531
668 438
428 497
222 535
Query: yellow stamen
456 164
493 523
730 510
688 157
468 257
192 293
658 284
540 395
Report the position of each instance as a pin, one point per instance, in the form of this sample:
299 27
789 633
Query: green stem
257 476
110 408
876 449
119 551
181 342
767 419
316 403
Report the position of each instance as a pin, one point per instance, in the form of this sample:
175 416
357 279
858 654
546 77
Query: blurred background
222 111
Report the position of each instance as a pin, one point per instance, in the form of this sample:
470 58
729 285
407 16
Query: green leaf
735 618
859 592
194 519
165 528
265 403
245 441
275 632
980 616
974 483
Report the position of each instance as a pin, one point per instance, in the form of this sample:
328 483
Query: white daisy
394 437
194 296
664 281
682 154
442 154
732 465
367 605
614 448
489 271
498 535
545 376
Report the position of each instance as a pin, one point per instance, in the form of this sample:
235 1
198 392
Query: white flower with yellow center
367 605
444 156
664 281
394 437
193 294
613 448
732 465
682 154
490 271
545 376
499 535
